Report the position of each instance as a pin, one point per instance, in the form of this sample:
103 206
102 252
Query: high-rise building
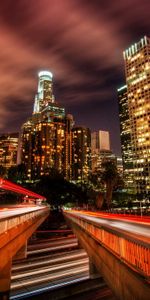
44 94
27 147
100 140
126 144
8 150
119 165
100 149
137 70
81 153
46 136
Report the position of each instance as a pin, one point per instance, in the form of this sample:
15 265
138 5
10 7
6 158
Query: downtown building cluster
134 112
50 141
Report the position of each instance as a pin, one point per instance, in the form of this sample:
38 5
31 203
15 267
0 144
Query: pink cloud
81 42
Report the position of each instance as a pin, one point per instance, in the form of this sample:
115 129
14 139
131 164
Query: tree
17 173
59 191
111 179
94 180
2 171
99 200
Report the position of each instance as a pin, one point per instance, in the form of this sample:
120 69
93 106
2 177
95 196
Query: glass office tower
46 136
137 70
126 143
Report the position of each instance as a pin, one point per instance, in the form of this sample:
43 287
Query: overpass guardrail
131 251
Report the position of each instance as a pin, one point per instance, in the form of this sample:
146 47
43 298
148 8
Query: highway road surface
52 245
53 263
7 212
40 273
135 226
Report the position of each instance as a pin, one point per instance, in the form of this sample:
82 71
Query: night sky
81 43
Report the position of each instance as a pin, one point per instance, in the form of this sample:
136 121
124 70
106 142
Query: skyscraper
8 149
44 94
81 153
126 144
100 140
100 149
27 146
46 136
137 70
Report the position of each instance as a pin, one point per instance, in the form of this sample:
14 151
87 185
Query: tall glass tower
137 69
46 136
44 95
81 153
126 143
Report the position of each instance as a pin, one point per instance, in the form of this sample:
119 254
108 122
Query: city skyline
82 44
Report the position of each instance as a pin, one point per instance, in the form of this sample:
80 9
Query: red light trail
7 185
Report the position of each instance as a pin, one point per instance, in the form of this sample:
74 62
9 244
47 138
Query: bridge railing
132 251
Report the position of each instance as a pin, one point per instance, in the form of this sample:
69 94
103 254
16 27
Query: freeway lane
55 246
124 217
32 263
51 243
48 272
45 273
49 285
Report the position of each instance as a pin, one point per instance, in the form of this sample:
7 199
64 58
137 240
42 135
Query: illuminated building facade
44 94
46 136
125 134
101 157
100 148
8 150
137 70
119 165
81 153
100 140
27 146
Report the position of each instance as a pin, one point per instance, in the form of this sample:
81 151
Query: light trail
47 261
122 217
10 186
54 243
133 228
51 269
51 255
59 247
40 280
49 287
